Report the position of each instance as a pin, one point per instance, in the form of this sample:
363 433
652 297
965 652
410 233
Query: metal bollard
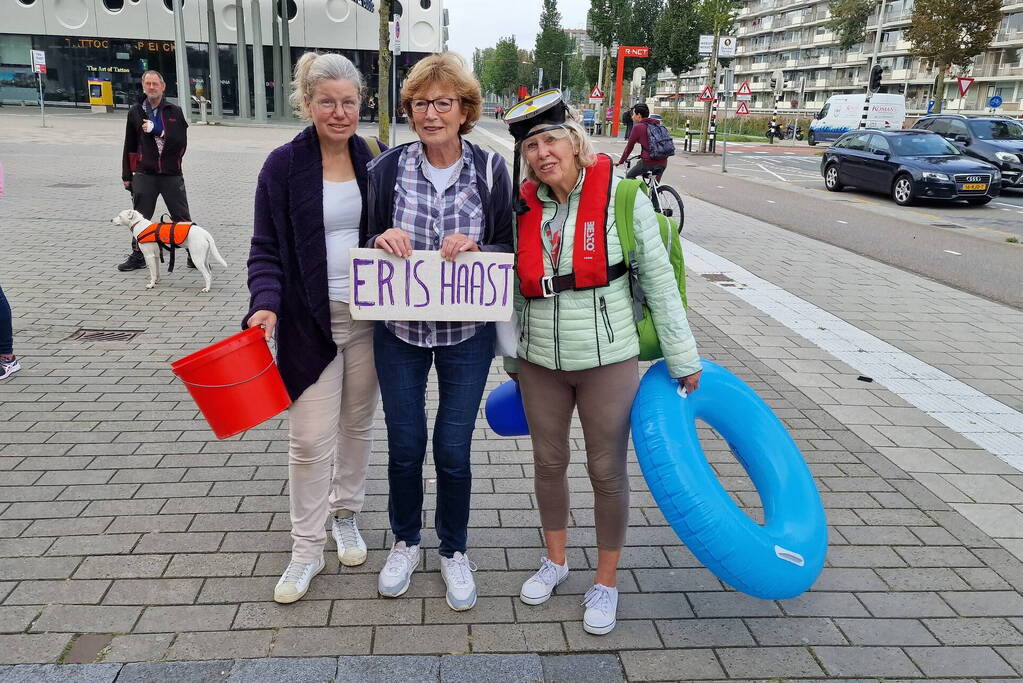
203 104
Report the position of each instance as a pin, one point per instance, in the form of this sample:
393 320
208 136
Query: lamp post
561 73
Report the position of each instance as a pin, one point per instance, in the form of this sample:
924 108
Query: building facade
793 36
117 40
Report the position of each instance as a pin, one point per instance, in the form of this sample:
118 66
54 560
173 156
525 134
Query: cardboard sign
476 286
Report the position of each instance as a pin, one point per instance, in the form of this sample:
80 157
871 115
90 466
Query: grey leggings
604 398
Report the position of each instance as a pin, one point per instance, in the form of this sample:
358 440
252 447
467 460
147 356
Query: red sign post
623 52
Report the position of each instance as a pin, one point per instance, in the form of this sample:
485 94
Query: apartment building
793 36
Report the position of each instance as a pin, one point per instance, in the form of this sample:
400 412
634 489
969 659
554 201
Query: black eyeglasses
442 104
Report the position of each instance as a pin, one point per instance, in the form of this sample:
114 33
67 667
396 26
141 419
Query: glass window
922 145
113 6
939 126
169 4
879 144
858 142
997 130
293 9
957 127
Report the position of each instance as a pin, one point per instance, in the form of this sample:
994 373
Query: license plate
974 186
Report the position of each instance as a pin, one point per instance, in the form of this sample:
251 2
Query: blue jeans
6 330
402 370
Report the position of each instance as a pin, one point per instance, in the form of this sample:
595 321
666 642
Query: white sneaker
9 367
294 583
540 586
396 576
601 608
457 573
351 549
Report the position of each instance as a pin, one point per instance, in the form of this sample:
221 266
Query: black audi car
909 165
997 140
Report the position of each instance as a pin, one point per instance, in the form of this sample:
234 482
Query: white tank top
342 210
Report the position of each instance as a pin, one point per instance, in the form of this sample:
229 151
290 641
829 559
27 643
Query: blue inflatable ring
778 560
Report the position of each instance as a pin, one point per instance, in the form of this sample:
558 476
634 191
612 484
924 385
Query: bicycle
665 198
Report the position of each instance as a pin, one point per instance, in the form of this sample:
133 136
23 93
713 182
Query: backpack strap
375 148
625 204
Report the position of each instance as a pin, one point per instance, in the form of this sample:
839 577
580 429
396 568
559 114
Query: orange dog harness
166 234
169 236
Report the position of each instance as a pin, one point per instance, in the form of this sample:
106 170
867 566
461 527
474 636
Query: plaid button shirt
428 217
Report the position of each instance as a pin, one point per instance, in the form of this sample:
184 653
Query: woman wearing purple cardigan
309 212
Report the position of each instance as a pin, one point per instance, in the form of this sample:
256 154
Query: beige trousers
330 432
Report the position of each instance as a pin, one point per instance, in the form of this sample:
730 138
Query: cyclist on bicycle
640 134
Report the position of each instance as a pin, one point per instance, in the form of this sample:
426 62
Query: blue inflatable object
504 410
778 560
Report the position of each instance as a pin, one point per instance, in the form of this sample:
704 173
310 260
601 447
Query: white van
842 113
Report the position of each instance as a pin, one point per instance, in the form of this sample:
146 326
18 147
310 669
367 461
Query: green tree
486 69
676 38
551 43
849 20
719 18
948 36
504 72
609 21
384 73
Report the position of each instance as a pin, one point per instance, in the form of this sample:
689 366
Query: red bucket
235 382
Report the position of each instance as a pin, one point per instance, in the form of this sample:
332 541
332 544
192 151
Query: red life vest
168 234
589 254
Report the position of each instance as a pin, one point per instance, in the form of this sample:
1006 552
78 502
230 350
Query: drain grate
717 277
72 185
104 335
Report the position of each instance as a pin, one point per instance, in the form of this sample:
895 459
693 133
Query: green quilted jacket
578 330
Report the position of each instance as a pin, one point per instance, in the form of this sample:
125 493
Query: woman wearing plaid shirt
440 193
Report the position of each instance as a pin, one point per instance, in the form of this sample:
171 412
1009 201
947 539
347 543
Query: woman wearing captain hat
578 346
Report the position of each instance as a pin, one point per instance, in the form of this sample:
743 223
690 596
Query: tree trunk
712 67
939 89
384 75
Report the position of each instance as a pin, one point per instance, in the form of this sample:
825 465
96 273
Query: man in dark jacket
641 119
155 139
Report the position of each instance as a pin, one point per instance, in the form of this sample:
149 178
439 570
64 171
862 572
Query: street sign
395 27
706 95
727 80
930 106
634 51
964 84
744 92
38 62
706 46
726 47
596 100
994 102
595 94
742 109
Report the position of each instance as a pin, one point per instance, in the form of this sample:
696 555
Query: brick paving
129 535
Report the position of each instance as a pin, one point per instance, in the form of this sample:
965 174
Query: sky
480 23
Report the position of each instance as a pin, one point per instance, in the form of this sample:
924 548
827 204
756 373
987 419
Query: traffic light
774 82
875 78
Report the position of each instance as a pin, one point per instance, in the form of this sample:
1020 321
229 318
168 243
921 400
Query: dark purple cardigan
288 257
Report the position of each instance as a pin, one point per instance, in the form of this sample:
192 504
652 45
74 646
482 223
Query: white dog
199 243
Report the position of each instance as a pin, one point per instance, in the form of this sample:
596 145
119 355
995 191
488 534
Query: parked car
909 165
997 140
842 113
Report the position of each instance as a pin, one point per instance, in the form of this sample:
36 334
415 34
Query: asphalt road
972 255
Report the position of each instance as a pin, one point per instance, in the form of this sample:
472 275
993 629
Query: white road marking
990 424
770 201
844 222
772 173
954 253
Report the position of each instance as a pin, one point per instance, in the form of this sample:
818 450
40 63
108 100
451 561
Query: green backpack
625 200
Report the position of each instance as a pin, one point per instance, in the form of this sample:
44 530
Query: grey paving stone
107 544
524 668
369 612
16 619
887 662
137 648
732 604
253 615
593 668
186 618
975 631
210 644
168 543
936 579
32 648
705 632
307 670
376 668
959 661
818 604
117 567
86 619
905 605
768 662
985 603
67 592
487 610
61 673
627 635
317 642
885 632
792 631
671 665
38 567
153 592
421 639
221 564
176 672
543 637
